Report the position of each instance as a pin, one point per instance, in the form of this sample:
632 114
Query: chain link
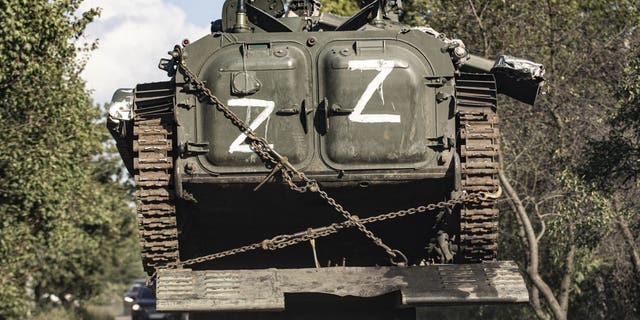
289 173
285 240
268 154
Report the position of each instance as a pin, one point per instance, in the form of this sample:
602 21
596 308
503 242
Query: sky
133 35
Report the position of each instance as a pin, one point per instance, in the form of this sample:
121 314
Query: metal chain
285 240
267 153
261 147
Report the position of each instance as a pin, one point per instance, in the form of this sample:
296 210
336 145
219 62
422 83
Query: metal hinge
435 81
188 149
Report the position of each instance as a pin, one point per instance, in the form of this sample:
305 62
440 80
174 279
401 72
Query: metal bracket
442 143
435 81
337 109
168 65
194 148
186 104
288 111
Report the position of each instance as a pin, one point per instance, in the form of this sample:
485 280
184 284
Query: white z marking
238 144
385 67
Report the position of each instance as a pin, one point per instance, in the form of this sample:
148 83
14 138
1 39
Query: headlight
121 105
128 299
135 307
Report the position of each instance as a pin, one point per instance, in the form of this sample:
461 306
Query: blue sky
133 35
200 11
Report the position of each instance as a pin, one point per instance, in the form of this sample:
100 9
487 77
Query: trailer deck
268 289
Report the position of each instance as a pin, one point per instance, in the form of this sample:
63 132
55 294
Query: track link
479 144
153 168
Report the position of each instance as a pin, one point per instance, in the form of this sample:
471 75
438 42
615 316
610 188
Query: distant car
131 295
144 307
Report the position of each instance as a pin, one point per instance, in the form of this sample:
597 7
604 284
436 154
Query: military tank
291 145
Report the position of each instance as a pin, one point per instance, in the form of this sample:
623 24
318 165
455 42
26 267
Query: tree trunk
532 269
631 243
537 306
565 285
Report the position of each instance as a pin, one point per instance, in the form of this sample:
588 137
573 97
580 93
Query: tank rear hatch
379 112
268 85
336 104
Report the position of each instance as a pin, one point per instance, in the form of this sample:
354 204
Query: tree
62 215
612 163
554 222
544 145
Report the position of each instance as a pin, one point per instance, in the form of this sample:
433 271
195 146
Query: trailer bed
268 289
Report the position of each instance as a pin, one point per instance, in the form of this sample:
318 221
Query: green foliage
614 161
72 313
584 47
582 217
63 218
340 7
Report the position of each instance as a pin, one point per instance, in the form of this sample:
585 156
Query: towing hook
491 195
176 52
313 186
399 255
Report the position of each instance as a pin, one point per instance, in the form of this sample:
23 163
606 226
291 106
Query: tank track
476 101
153 161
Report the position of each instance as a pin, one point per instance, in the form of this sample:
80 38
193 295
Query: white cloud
132 37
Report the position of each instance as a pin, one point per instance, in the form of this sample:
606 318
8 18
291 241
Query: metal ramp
265 289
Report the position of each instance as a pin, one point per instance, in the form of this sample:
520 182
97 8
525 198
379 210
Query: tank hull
353 107
227 217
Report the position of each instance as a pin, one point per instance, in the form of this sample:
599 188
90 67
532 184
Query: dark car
131 295
145 307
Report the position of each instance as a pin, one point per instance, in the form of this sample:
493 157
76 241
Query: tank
294 140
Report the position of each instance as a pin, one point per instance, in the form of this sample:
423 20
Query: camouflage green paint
330 101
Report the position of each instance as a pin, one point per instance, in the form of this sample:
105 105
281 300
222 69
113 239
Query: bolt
311 41
441 96
189 168
460 52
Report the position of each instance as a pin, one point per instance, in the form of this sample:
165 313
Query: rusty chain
267 153
288 172
285 240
